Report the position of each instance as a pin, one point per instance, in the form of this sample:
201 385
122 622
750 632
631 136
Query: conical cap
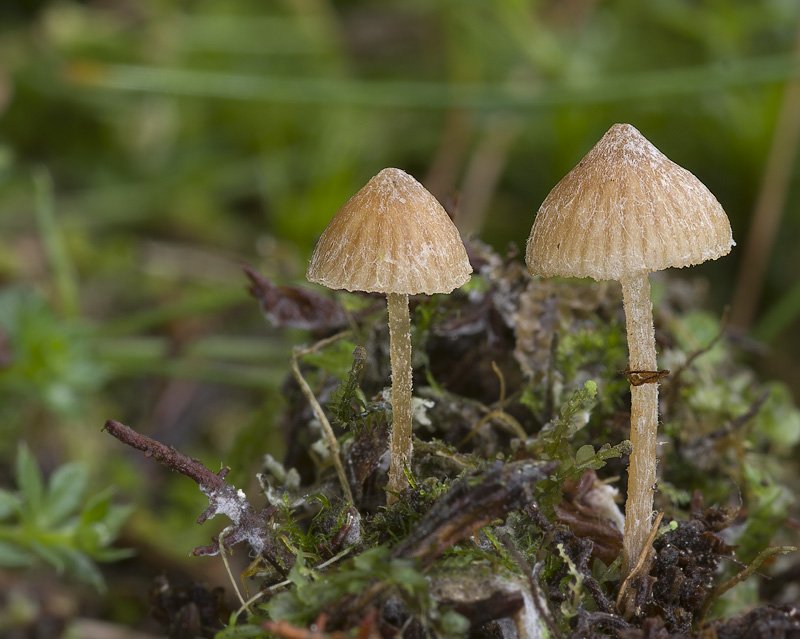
626 208
392 236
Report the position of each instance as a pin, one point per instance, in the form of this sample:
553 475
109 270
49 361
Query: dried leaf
292 306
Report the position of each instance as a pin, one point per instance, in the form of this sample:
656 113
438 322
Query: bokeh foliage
147 148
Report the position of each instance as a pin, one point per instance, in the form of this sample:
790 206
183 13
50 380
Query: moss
520 448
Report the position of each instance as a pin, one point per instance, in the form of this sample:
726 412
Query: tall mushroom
393 237
623 211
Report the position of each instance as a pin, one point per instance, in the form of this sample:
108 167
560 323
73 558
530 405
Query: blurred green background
148 148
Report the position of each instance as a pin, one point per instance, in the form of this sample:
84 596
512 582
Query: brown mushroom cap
626 208
392 236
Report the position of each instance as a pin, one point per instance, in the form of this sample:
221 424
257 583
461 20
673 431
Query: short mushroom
393 237
623 211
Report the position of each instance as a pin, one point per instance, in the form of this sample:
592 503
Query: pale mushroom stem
400 355
644 418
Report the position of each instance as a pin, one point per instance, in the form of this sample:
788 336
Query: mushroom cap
626 208
392 236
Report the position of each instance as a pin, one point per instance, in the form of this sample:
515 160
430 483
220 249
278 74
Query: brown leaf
292 306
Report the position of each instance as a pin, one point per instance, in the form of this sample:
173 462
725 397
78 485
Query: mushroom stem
400 355
644 417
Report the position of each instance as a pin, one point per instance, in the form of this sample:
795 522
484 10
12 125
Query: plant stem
644 418
327 430
776 182
738 578
400 355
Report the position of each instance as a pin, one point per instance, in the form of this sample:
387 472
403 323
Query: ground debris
363 459
583 516
682 572
472 503
490 529
187 612
768 622
293 306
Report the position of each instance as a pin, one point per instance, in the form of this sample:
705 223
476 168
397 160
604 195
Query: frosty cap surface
626 208
392 236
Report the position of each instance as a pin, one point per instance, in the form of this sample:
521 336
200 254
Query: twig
299 352
674 380
472 503
514 426
739 578
288 582
330 436
640 564
723 325
248 525
502 381
751 412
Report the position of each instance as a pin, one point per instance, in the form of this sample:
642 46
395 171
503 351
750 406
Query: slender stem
644 418
400 354
327 430
227 565
739 577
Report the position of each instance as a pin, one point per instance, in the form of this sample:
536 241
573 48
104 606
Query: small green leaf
52 554
116 517
13 556
81 566
71 561
337 359
455 624
107 555
66 491
9 504
30 481
584 454
96 508
93 537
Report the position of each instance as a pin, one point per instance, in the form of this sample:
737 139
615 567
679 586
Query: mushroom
393 237
623 211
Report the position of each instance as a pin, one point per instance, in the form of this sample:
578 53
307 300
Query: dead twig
513 426
739 578
223 498
642 561
472 503
674 380
327 430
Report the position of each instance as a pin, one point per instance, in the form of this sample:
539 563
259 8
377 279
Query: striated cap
392 236
626 208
